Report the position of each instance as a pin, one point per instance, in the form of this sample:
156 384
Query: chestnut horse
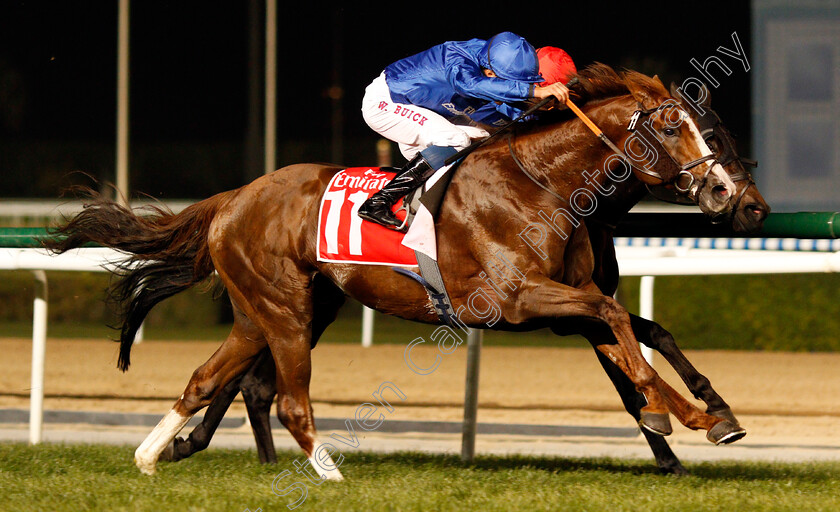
258 384
260 239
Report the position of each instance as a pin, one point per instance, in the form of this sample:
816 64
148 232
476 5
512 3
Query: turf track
90 477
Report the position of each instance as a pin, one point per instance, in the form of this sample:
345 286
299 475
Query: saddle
344 238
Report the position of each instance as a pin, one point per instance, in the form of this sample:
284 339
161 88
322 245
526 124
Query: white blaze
717 169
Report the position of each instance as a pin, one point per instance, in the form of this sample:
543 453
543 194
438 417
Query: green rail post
697 225
802 225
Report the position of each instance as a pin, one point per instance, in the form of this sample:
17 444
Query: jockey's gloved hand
558 90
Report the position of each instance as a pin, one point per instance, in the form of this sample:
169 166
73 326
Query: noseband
684 174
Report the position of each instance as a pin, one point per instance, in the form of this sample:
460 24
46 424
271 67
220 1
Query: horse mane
599 81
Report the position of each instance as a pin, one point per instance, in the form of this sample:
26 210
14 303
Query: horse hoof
675 469
657 422
146 467
724 414
725 432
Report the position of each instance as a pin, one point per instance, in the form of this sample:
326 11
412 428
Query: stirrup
403 207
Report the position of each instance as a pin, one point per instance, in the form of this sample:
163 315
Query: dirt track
777 396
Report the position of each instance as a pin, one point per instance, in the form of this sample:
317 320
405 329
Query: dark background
196 79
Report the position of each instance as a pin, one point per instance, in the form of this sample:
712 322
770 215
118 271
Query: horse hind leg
200 437
294 408
258 391
283 310
260 384
235 355
259 387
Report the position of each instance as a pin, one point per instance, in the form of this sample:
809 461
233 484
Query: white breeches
413 128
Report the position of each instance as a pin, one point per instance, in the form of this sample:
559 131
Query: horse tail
167 253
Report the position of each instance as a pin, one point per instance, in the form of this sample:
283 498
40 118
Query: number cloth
342 235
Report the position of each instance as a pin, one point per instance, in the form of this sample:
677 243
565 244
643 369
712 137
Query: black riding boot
378 206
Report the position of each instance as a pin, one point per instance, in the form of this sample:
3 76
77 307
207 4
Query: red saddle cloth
343 237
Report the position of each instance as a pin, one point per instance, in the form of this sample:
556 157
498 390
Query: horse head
750 209
667 147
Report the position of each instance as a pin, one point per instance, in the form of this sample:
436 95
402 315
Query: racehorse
258 384
260 240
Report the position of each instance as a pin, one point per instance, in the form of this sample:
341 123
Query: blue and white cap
511 57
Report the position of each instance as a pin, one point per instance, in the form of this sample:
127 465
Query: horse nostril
756 211
720 190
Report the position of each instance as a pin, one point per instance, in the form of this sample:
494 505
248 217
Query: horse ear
675 93
642 95
658 81
704 93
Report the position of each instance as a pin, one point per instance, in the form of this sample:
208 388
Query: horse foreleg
541 297
234 356
633 402
719 430
654 419
654 336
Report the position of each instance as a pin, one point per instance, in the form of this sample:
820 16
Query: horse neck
569 157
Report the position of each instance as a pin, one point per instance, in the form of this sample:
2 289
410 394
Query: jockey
431 98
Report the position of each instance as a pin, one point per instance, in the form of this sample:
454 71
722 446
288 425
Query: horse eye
670 132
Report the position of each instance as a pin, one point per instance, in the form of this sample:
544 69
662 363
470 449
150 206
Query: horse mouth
721 218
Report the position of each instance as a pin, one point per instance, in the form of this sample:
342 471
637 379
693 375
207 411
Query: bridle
711 128
709 125
684 168
682 186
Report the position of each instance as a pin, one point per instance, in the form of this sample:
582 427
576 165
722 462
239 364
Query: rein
707 126
477 144
606 140
684 168
554 194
